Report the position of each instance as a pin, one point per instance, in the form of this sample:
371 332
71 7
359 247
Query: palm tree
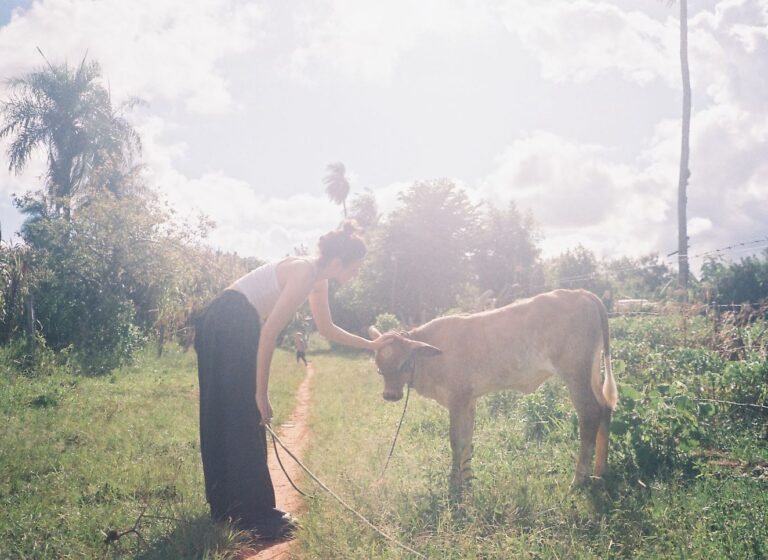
69 113
685 173
337 185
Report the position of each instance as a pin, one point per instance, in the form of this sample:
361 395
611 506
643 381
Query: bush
387 322
656 430
542 411
18 357
747 383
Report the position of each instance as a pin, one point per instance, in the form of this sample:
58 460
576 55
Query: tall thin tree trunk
29 327
682 199
160 340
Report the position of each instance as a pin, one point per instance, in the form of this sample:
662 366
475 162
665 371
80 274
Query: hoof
579 482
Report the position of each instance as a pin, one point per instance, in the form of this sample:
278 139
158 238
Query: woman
235 340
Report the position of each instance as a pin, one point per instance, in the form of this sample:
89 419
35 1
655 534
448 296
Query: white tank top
261 288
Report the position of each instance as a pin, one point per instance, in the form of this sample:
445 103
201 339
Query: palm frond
70 113
336 184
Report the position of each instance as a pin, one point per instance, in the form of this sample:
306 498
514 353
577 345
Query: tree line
105 267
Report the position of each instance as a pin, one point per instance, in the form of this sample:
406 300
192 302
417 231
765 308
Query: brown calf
458 358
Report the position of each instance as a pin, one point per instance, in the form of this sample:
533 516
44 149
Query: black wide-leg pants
233 444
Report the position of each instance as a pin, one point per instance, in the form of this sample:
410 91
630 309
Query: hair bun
344 243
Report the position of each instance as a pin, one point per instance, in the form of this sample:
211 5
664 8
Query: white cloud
579 40
185 55
697 225
580 194
169 50
733 69
368 38
10 184
247 220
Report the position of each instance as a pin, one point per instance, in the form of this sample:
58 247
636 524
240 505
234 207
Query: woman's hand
383 340
265 409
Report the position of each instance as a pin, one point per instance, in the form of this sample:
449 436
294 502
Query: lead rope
338 499
285 472
402 417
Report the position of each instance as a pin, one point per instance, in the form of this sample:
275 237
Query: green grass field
82 456
520 505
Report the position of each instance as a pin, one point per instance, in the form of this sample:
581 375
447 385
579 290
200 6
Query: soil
295 435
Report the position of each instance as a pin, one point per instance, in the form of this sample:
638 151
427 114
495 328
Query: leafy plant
656 429
387 322
542 412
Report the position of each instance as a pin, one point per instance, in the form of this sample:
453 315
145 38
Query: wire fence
670 259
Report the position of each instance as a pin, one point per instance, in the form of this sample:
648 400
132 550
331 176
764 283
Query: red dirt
295 435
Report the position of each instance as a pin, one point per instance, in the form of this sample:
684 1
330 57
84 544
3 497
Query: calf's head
395 362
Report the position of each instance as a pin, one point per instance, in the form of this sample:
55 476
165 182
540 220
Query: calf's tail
610 392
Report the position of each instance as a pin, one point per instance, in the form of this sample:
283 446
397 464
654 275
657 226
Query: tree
505 253
70 114
337 185
16 277
685 173
421 256
364 211
577 268
119 271
644 277
740 282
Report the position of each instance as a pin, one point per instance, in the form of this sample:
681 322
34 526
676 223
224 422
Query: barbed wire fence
669 259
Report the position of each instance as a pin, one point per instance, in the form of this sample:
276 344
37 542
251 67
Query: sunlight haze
569 109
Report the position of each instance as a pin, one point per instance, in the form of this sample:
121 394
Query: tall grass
83 456
520 505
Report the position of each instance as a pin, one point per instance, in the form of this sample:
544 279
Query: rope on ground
338 499
397 433
759 406
285 472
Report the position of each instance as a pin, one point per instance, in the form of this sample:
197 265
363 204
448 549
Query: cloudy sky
570 108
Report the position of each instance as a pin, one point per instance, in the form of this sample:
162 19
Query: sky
569 108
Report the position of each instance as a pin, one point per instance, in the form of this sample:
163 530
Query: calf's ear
373 332
424 349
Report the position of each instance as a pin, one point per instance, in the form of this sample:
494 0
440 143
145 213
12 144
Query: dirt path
295 435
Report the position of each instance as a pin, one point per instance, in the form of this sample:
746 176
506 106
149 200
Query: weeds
94 467
81 457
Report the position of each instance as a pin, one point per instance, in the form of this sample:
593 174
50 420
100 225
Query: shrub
542 412
656 430
387 322
17 357
746 382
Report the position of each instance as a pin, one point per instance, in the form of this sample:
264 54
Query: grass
80 456
520 505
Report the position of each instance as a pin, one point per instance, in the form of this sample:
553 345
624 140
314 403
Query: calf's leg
601 453
589 422
462 414
590 413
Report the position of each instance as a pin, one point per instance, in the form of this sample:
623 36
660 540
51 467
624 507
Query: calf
458 358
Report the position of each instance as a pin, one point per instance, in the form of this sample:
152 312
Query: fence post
29 325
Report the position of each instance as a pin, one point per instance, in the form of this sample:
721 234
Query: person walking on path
235 339
301 347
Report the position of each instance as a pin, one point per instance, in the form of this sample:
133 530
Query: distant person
235 339
301 347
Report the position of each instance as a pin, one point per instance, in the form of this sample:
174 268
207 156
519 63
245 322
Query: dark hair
343 243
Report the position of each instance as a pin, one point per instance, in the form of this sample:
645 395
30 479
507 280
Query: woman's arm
297 286
321 312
